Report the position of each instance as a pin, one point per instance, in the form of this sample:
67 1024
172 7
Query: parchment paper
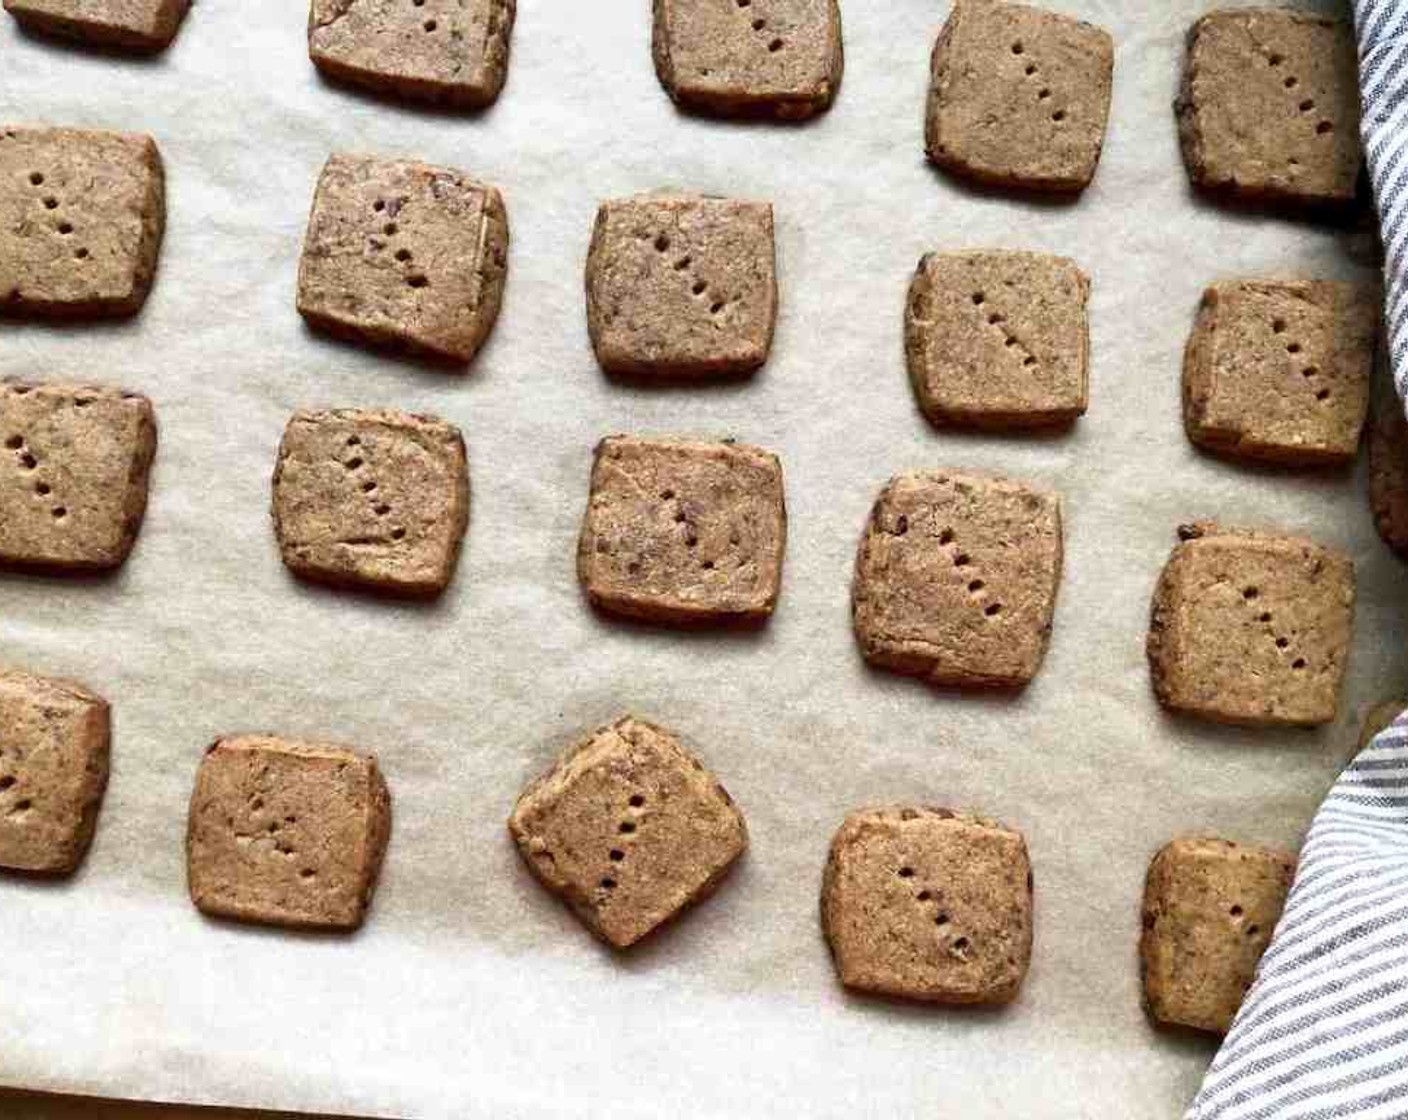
470 991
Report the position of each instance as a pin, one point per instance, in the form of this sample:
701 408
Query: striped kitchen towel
1323 1031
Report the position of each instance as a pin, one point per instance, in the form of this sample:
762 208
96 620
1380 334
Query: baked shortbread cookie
136 25
1388 474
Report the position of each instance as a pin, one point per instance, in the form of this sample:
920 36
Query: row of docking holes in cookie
60 225
354 464
977 586
27 463
698 287
1250 595
1309 371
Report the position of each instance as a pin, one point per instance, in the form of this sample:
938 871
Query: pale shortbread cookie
138 25
1388 474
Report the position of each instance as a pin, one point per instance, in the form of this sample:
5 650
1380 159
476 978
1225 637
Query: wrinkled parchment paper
471 992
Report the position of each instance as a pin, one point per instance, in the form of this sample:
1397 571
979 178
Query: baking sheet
471 992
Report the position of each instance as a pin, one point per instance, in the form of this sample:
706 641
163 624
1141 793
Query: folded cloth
1382 27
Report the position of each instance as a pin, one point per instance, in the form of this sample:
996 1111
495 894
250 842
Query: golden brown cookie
81 221
404 256
1210 907
74 463
928 904
683 532
1388 474
956 578
1251 627
54 741
286 833
137 25
998 339
775 58
629 829
1270 106
448 52
681 286
1019 96
1279 370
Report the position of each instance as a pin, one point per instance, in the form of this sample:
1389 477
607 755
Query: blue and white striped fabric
1323 1031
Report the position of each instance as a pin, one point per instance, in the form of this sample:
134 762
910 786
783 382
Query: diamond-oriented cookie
928 904
368 498
74 463
681 287
998 339
777 58
1019 96
683 532
956 578
1388 474
1270 107
1210 907
81 221
1280 370
286 833
136 25
54 741
629 829
404 256
448 52
1251 627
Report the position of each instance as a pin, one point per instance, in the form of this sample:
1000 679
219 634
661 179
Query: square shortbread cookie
74 463
998 339
449 52
404 256
377 499
956 578
681 286
1280 369
286 833
54 739
928 904
628 828
1210 907
1388 474
777 58
683 532
1019 96
139 25
81 221
1251 628
1270 106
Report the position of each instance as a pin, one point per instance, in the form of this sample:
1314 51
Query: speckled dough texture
777 58
137 25
1270 107
81 221
928 904
404 256
956 578
680 286
1019 96
628 828
1251 627
1210 907
74 464
1388 474
683 532
54 742
998 339
449 52
286 833
1280 370
377 499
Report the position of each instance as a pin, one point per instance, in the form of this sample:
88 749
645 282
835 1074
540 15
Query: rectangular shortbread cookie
138 25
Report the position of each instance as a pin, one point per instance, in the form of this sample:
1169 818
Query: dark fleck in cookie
404 256
137 25
956 578
54 738
777 58
286 833
1270 107
376 499
1019 96
74 462
681 286
928 904
81 221
998 339
628 828
683 532
449 52
1210 907
1251 627
1388 474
